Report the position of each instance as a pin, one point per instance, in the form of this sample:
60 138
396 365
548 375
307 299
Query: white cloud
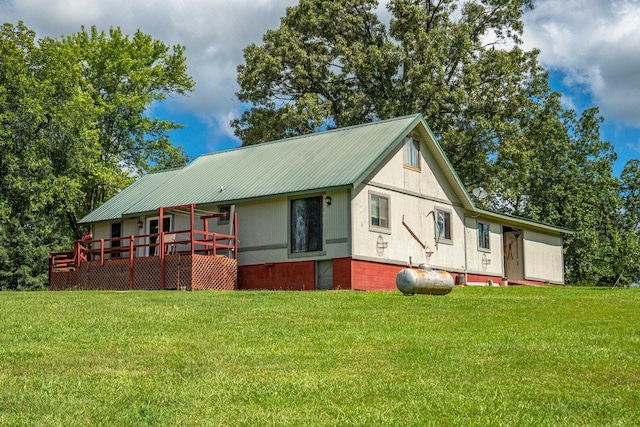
596 43
214 33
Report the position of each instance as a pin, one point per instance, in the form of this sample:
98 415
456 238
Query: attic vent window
411 153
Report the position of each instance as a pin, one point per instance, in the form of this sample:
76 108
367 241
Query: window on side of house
483 235
411 153
224 220
306 224
443 225
379 211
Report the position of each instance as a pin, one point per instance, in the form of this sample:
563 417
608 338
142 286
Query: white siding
543 259
413 195
264 230
479 260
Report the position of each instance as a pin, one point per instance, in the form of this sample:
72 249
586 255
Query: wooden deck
184 260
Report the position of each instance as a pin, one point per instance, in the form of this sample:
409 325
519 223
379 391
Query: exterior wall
299 276
264 227
543 257
374 276
481 261
342 275
413 195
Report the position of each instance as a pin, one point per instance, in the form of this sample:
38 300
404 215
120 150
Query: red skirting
342 273
373 276
295 276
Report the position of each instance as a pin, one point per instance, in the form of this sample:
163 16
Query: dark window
379 211
306 224
443 222
224 220
483 235
116 231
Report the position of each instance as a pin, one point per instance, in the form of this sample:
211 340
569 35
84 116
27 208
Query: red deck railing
207 243
186 242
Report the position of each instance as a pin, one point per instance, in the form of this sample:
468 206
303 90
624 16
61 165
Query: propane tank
424 280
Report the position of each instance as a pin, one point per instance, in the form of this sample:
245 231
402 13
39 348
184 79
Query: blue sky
590 47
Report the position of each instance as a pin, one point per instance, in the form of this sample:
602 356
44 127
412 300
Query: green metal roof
338 158
329 159
114 208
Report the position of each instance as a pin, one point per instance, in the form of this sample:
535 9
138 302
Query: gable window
379 211
483 235
224 220
306 224
443 225
412 153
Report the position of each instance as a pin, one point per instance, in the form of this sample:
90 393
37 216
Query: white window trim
480 248
377 228
404 152
435 224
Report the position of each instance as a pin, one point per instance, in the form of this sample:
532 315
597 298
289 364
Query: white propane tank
424 280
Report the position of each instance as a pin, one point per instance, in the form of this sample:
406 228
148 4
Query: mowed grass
478 356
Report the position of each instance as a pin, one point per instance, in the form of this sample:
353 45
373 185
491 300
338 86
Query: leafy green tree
73 129
460 64
124 77
334 64
631 220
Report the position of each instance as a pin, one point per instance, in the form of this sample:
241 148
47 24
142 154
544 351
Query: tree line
73 131
460 63
74 128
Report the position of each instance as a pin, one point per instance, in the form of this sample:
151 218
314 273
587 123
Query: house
341 209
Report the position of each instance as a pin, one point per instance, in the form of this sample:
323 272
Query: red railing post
78 255
161 258
192 225
131 249
51 261
101 251
235 235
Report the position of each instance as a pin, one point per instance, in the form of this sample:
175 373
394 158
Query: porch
188 259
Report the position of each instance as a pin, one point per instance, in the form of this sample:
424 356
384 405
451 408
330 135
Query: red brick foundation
342 273
347 274
295 276
373 276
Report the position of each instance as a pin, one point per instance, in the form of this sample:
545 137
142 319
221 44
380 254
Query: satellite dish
479 192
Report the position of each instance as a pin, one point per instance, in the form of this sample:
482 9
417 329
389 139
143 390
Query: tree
335 64
631 220
124 77
460 64
73 128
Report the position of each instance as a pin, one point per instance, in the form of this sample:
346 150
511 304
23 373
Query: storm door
306 225
152 228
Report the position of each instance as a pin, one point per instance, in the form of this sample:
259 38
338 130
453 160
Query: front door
513 257
152 228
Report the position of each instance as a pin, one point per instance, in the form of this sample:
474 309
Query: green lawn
478 356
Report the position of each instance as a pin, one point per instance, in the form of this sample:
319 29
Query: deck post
205 227
235 235
51 262
76 249
101 251
192 225
131 262
161 258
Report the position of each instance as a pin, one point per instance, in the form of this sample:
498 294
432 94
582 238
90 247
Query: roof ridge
307 135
